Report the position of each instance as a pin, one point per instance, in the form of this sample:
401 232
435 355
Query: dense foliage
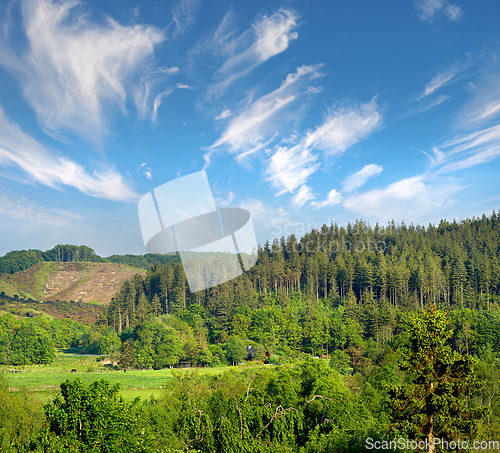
33 341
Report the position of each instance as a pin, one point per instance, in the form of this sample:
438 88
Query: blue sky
302 112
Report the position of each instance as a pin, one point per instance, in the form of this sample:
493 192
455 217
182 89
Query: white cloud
157 103
257 122
332 199
289 168
269 36
224 114
345 127
184 86
170 71
146 170
466 151
44 166
303 195
274 34
484 105
410 199
424 106
17 207
73 68
441 79
490 110
359 178
428 10
183 15
225 202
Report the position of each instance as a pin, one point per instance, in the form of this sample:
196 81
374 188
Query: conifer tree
434 404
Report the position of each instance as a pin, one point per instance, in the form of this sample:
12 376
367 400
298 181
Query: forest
366 332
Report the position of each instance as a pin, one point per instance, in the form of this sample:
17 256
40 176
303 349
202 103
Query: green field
45 379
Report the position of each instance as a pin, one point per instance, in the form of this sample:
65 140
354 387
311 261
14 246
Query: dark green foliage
94 419
24 342
32 341
127 357
156 345
280 409
434 404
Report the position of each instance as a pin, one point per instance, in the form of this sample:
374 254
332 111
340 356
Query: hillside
79 281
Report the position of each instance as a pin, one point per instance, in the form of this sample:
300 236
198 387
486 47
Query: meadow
44 380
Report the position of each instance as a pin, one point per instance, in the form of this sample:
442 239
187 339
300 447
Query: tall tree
434 404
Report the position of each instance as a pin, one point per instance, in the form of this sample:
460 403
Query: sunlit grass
46 379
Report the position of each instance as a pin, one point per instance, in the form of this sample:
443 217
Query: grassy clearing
45 379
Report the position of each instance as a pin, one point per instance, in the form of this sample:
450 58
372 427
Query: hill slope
77 280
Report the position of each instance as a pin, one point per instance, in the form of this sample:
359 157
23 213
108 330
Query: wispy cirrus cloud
289 167
269 36
257 122
345 127
226 113
157 103
440 80
303 195
74 69
475 148
412 199
17 207
46 167
484 105
359 178
184 86
333 198
428 10
429 104
183 15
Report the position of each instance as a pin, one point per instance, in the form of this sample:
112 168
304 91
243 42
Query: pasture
44 380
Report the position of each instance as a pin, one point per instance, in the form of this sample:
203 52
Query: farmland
44 380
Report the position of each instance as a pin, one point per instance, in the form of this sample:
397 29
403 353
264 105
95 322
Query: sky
302 112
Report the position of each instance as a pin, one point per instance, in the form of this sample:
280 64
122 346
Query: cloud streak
268 37
411 199
359 178
428 10
74 69
257 122
466 151
333 198
345 127
16 207
45 167
289 167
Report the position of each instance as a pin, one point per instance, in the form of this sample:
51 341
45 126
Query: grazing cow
73 370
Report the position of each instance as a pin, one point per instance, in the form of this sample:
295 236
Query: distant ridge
19 260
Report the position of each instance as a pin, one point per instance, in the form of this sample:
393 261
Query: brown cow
73 370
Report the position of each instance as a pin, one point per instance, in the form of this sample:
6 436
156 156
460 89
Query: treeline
298 283
19 260
33 341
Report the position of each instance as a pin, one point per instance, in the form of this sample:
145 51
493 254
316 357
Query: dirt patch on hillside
87 282
78 281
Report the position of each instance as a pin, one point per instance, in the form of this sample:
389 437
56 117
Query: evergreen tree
127 357
434 404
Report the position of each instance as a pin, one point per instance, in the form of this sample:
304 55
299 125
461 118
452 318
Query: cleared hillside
78 281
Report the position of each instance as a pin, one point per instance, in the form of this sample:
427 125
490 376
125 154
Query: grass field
45 379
